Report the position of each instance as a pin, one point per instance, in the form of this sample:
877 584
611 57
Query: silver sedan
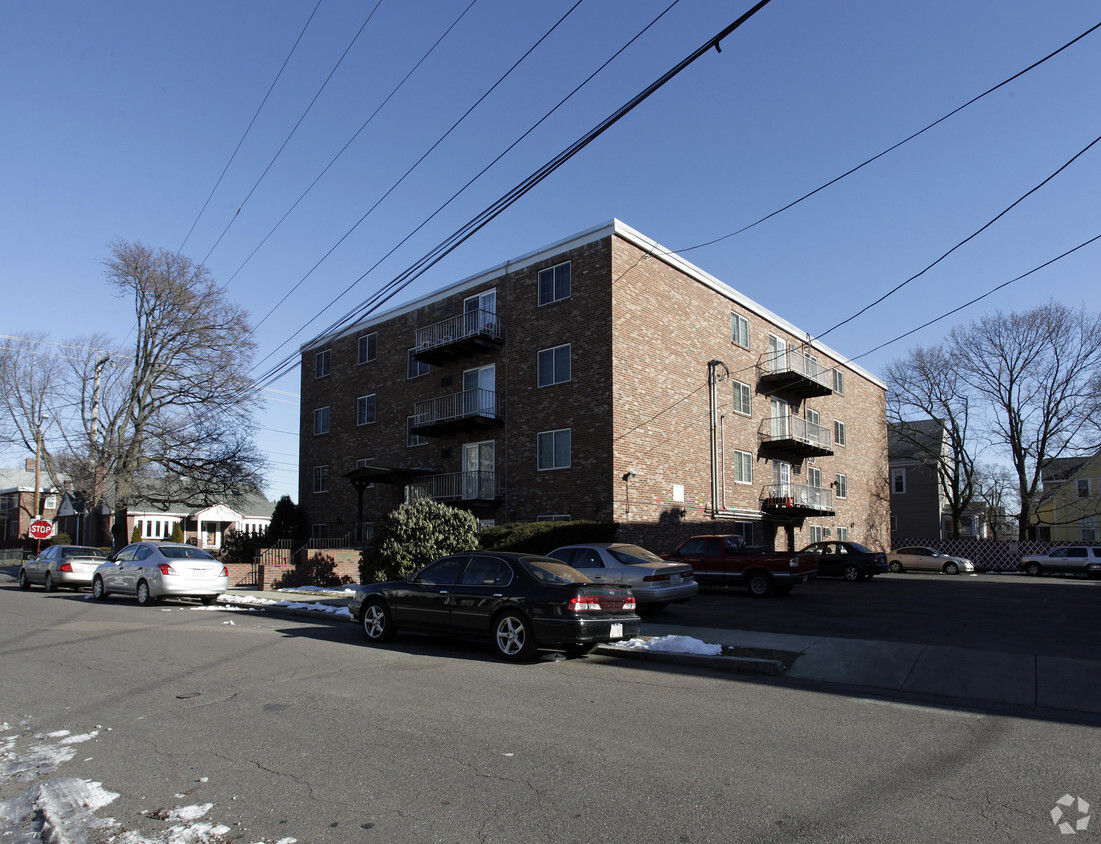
69 566
920 558
654 582
153 570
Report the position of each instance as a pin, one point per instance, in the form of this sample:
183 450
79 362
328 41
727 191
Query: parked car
920 558
152 570
654 582
725 560
522 602
69 566
849 560
1069 559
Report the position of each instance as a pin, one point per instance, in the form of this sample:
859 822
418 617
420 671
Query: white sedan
654 582
153 570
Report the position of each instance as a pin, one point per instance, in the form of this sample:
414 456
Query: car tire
99 591
376 622
759 585
851 573
48 583
208 599
1033 569
580 648
951 568
895 567
145 597
24 583
512 636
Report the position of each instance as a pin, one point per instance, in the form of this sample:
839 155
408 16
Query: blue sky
119 118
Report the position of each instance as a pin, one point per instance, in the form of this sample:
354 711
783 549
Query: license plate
200 573
617 631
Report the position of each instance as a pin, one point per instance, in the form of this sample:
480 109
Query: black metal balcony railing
794 372
458 411
797 435
457 486
463 336
797 499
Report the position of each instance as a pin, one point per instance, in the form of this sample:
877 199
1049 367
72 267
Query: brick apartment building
601 378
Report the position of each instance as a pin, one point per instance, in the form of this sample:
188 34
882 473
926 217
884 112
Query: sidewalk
960 674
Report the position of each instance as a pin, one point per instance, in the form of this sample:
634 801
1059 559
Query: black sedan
849 560
523 602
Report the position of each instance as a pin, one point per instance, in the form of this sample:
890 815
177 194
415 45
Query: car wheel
1033 569
48 583
951 568
145 597
512 636
580 649
23 582
851 573
208 599
99 591
759 584
376 622
895 566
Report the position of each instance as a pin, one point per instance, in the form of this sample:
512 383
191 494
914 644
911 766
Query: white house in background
205 526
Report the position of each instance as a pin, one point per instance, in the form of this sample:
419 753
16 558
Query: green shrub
177 532
416 534
135 534
541 537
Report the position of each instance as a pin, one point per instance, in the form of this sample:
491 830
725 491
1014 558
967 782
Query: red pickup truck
725 560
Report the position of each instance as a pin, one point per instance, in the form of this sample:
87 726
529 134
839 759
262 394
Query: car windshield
77 551
632 555
550 571
179 552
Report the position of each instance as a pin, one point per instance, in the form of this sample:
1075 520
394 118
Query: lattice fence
986 554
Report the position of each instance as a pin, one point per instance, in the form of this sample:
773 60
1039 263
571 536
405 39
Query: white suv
1075 559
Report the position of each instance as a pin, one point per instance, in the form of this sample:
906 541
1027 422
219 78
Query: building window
1089 529
412 439
843 534
416 368
743 467
321 420
839 432
319 531
50 502
554 283
816 533
557 517
739 330
898 481
742 398
365 410
554 365
842 486
894 524
838 381
1083 488
320 478
367 347
553 449
322 363
814 477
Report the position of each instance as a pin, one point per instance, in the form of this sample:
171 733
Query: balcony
463 411
797 500
796 435
463 336
794 372
476 486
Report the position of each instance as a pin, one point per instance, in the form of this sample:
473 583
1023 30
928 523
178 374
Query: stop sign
40 529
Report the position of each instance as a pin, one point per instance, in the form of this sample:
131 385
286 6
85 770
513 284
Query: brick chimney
30 464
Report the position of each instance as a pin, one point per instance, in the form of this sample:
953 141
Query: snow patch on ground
672 645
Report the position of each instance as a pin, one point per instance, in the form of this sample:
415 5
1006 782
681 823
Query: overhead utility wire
477 176
408 172
895 146
287 140
506 201
248 128
343 149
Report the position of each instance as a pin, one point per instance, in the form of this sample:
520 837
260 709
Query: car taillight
166 569
584 603
65 567
650 577
629 604
224 572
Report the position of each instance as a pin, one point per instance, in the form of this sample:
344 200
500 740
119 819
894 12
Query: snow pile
59 810
672 645
247 601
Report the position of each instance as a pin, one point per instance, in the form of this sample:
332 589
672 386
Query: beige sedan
920 558
69 566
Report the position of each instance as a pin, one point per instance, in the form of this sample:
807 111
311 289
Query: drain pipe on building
716 371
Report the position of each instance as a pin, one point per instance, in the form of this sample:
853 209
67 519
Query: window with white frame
416 368
743 467
843 534
743 397
367 347
839 432
554 283
365 410
1083 487
50 502
814 477
322 363
411 438
898 481
739 329
842 486
838 381
816 533
554 365
321 420
320 478
553 449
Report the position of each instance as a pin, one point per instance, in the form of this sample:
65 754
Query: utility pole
97 452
